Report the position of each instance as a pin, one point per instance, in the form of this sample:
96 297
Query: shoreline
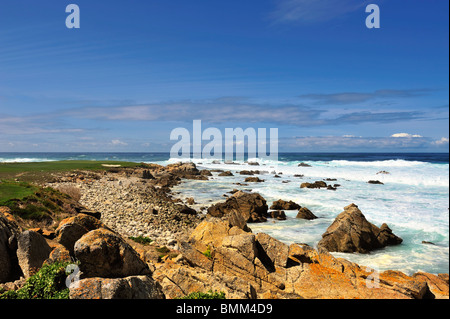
140 201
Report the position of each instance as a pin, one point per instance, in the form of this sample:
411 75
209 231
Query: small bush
205 295
48 283
141 240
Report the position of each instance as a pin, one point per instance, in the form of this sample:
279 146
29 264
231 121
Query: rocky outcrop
305 213
284 205
351 232
273 269
102 253
252 206
73 228
132 287
9 230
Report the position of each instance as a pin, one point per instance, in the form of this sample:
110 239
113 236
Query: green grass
14 190
61 166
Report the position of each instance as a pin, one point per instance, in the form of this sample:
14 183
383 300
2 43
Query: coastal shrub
48 283
205 295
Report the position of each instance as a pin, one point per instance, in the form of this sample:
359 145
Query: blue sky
136 69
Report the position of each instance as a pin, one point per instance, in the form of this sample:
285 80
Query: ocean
414 200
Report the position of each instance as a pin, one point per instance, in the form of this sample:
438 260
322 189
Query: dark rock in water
305 213
284 205
304 165
428 242
253 180
317 184
251 206
330 179
299 175
278 214
375 182
351 232
205 172
383 172
253 163
227 173
329 187
245 172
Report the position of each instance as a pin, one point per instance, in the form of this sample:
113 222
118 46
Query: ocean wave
25 160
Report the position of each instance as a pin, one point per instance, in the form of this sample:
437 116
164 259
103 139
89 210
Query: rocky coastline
193 251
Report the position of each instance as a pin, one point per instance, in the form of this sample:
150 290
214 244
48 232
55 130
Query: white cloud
405 135
442 141
118 143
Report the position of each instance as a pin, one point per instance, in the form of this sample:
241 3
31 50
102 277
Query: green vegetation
14 190
31 202
42 171
163 250
207 253
202 295
141 240
48 283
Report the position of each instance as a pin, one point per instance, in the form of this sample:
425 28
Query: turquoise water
413 201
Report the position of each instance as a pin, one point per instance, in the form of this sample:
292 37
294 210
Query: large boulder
73 228
103 253
351 232
252 206
32 251
9 230
132 287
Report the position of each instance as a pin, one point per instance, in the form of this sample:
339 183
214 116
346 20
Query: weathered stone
132 287
305 213
103 253
32 251
9 230
251 206
284 205
73 228
276 251
351 232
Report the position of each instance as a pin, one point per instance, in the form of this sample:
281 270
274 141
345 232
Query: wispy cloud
234 110
340 143
314 11
343 98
